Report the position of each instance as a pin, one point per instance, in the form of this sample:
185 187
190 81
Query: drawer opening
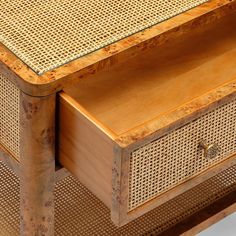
178 93
155 83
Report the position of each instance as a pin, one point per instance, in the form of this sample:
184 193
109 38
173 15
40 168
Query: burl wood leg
37 160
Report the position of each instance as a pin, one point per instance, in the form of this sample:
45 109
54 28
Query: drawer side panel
85 150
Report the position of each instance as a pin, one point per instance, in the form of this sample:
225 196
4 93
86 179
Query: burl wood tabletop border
55 80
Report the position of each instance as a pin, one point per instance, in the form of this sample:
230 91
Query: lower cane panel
79 212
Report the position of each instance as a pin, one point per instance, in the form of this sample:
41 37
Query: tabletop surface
47 34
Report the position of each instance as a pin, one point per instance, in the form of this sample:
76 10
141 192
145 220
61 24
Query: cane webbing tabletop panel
47 34
78 212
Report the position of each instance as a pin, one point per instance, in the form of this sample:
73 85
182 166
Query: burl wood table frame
39 122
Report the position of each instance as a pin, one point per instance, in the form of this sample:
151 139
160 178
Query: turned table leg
37 160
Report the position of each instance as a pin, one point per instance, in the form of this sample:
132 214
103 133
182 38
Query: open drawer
151 128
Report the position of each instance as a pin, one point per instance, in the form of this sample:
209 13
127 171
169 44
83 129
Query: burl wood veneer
142 115
128 123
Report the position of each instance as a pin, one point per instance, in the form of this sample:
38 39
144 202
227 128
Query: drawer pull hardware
210 150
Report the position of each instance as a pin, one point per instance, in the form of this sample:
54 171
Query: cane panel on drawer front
9 116
47 34
166 162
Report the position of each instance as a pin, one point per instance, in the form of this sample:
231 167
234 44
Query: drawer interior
111 125
157 82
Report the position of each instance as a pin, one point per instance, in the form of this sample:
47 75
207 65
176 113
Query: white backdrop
226 227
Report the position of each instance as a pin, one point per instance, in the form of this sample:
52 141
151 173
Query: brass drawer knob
210 150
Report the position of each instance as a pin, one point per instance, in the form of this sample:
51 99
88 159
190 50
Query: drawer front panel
167 162
9 116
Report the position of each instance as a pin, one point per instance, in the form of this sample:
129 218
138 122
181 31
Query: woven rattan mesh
9 116
80 213
168 161
46 34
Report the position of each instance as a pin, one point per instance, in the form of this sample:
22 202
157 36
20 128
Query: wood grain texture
96 150
160 91
123 50
157 82
182 115
37 173
85 150
163 89
15 166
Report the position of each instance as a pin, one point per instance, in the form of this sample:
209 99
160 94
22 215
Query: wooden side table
139 108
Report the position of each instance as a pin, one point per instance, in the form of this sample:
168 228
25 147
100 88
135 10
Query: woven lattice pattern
47 34
79 213
9 116
9 192
170 160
